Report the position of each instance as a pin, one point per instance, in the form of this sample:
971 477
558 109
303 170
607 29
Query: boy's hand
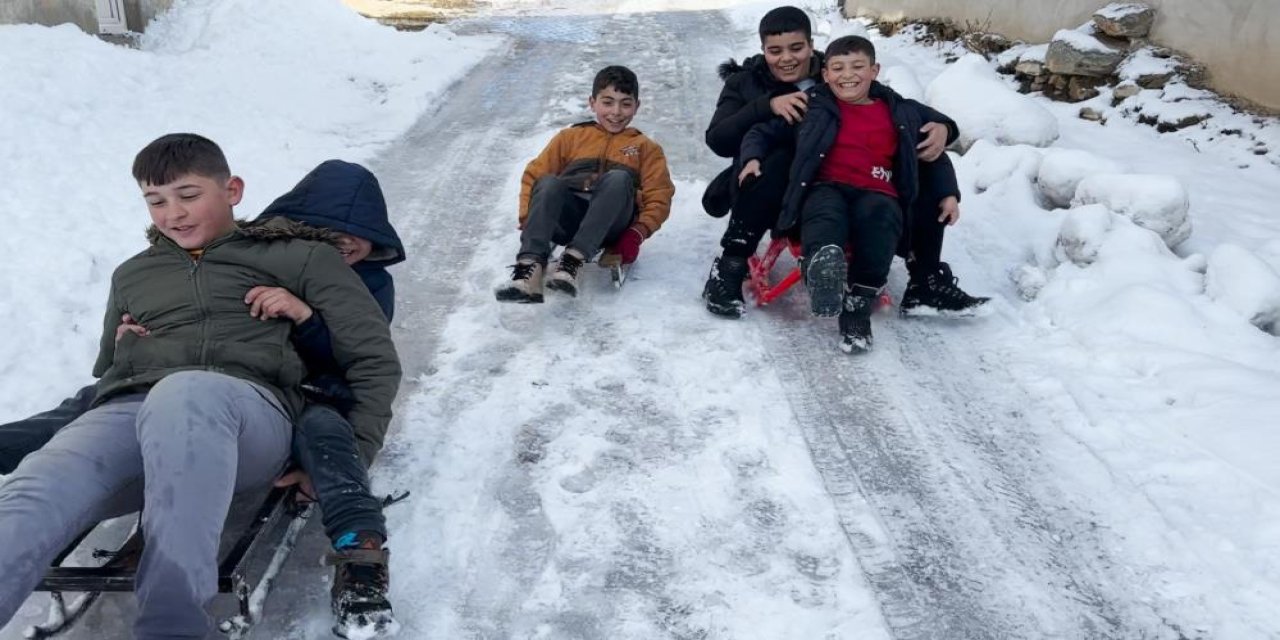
934 143
129 325
750 169
790 106
628 246
306 492
950 210
274 302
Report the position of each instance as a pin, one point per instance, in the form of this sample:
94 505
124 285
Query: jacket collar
629 131
878 91
278 228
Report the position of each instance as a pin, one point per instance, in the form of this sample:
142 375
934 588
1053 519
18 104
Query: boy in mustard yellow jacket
599 183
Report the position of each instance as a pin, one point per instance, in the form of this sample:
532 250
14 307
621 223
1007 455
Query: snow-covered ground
1094 460
280 90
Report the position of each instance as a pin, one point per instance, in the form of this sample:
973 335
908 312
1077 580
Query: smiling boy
198 405
773 84
599 183
853 181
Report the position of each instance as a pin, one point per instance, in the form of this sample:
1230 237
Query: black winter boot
359 593
824 274
855 318
937 293
723 292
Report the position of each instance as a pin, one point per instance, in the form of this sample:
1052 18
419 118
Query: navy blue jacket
816 133
343 197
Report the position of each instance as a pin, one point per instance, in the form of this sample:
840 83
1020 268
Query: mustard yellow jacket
581 153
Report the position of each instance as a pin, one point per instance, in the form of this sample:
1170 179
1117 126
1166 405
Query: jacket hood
346 198
271 229
757 65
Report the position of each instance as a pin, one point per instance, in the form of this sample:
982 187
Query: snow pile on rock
1155 202
902 79
1246 284
987 108
1082 234
1061 171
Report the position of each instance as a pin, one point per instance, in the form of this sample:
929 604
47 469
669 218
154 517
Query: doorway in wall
111 17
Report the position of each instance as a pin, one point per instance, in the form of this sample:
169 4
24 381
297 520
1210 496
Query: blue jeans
324 445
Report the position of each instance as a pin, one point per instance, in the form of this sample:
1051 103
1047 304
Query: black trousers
869 222
757 205
926 235
21 437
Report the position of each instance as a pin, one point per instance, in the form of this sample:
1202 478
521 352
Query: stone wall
1236 40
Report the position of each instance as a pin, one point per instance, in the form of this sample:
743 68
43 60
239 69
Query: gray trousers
194 440
580 221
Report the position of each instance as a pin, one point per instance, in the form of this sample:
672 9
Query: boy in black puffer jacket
854 179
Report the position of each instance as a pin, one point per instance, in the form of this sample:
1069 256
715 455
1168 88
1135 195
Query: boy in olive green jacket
198 405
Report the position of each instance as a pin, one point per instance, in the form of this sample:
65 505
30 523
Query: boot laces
522 270
947 285
569 264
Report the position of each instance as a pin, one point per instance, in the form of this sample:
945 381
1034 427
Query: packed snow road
626 466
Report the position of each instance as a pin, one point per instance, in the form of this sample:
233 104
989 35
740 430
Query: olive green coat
198 320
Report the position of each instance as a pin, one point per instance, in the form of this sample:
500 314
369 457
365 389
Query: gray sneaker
525 285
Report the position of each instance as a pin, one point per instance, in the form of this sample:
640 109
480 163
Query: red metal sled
760 267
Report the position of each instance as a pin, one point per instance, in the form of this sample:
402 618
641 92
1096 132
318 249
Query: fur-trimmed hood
269 229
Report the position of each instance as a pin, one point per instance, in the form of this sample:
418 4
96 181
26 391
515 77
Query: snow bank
279 92
994 166
1061 171
1154 202
986 107
903 80
835 25
1082 234
1246 284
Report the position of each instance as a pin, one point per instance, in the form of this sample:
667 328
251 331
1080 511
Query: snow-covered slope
1094 460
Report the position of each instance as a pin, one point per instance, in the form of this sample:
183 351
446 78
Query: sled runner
118 571
760 267
617 270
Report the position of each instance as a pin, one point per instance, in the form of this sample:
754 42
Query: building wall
81 13
78 12
1236 39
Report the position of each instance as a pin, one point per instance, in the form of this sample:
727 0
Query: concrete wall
81 13
1238 40
78 12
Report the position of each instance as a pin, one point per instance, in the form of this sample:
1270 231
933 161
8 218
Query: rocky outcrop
1125 20
1078 53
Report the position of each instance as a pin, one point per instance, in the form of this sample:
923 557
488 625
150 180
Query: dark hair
174 155
785 20
622 79
851 44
